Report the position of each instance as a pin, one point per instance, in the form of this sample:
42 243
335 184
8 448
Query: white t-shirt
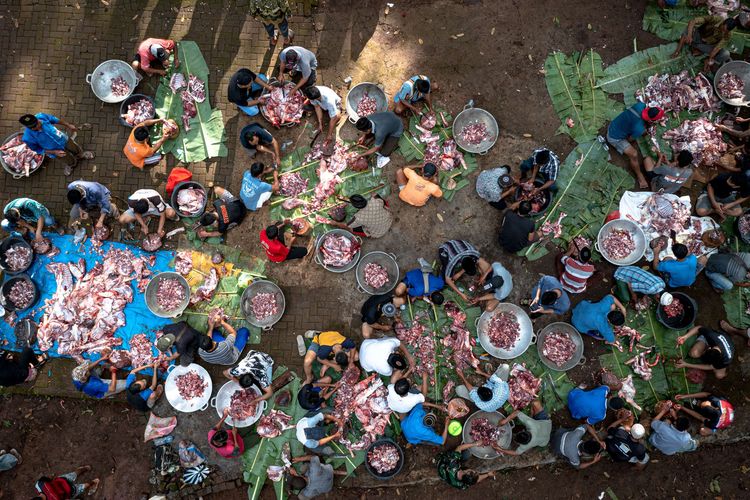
403 404
373 355
156 203
329 101
306 423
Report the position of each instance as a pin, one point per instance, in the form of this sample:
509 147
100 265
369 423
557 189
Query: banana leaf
737 299
589 187
571 84
206 136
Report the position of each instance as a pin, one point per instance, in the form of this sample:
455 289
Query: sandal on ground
94 486
272 42
88 155
301 347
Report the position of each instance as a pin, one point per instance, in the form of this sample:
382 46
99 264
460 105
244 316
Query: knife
554 389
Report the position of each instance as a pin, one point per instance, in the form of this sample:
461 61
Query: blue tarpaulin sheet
138 319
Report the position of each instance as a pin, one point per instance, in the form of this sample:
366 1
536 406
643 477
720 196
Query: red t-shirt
144 50
233 448
275 249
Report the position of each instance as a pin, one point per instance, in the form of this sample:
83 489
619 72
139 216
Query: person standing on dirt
416 89
384 130
274 15
708 35
298 62
29 214
88 196
626 128
714 349
325 99
542 163
64 486
42 137
569 443
517 231
155 52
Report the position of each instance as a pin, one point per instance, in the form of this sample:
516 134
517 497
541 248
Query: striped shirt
500 393
224 354
575 275
735 266
451 254
551 168
641 281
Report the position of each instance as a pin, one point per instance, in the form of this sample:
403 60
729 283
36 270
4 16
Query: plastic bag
158 427
190 455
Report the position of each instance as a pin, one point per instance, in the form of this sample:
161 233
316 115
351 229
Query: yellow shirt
328 338
418 190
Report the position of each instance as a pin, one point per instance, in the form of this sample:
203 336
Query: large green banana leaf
571 84
589 187
737 299
206 136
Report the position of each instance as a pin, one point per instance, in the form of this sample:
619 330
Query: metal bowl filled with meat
167 294
136 109
113 80
732 83
263 304
365 90
743 226
377 272
192 202
475 130
16 255
232 395
621 242
506 332
678 315
384 459
560 346
188 388
19 293
17 159
281 108
338 250
482 425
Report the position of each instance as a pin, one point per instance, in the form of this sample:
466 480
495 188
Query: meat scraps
177 82
375 275
183 263
242 405
627 392
21 294
207 289
19 158
273 424
558 347
191 200
367 105
338 250
139 111
383 458
42 246
18 258
120 358
151 243
422 346
459 340
675 309
196 88
366 401
641 366
474 133
618 244
119 87
503 330
675 93
264 305
553 229
730 86
633 334
292 184
523 386
484 432
190 385
170 294
195 92
282 107
428 121
141 350
448 156
664 214
700 137
744 225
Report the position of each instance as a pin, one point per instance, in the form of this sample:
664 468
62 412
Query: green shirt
448 465
539 430
271 10
709 28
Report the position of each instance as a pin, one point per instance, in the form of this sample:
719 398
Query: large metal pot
224 397
7 244
638 237
741 69
152 288
525 339
577 359
262 286
355 95
101 79
387 261
18 175
186 185
173 395
488 452
319 256
470 115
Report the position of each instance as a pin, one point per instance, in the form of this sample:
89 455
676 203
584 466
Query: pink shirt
233 448
144 50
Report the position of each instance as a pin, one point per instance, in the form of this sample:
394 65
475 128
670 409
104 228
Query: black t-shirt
265 137
722 189
303 396
136 401
514 235
229 213
711 414
371 308
623 448
236 95
12 373
723 342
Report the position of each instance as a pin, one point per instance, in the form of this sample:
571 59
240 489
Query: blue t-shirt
415 283
627 124
94 387
681 272
407 92
47 138
592 316
252 189
415 431
144 394
550 284
591 405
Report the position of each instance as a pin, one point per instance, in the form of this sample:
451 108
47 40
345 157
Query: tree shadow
357 18
163 18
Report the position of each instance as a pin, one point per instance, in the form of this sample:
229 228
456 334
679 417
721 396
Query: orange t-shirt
418 190
137 152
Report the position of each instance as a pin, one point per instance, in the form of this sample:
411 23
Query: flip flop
94 487
301 348
88 155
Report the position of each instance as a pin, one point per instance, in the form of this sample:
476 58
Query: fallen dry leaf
440 217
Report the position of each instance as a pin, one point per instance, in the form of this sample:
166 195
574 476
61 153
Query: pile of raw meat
504 330
338 250
744 225
537 199
170 128
523 386
376 275
553 229
631 333
367 105
195 92
420 345
675 309
151 243
183 263
119 87
190 385
21 294
242 404
217 315
366 401
448 157
292 184
383 458
18 257
664 214
141 351
170 294
139 111
730 86
191 200
272 425
722 8
700 137
120 358
484 432
282 106
642 366
263 305
19 158
618 244
675 93
558 347
475 133
459 340
205 292
82 316
428 121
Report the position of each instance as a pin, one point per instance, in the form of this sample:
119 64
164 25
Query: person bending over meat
312 432
255 137
632 282
415 189
569 444
416 89
315 480
574 268
254 191
92 385
145 204
421 283
23 369
538 427
139 150
313 396
402 395
152 56
451 470
714 349
670 432
331 349
626 446
279 247
708 35
184 338
245 89
383 130
372 218
87 197
325 99
228 212
140 395
548 298
714 412
597 318
544 164
42 137
459 258
228 444
491 396
29 215
682 270
517 231
385 356
417 432
593 404
255 369
377 306
300 64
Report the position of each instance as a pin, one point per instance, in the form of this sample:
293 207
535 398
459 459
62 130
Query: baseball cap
28 120
165 342
637 431
158 51
652 114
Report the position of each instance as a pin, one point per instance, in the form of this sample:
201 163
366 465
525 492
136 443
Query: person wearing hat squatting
155 51
495 186
42 137
626 128
372 218
415 189
296 59
377 306
626 446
